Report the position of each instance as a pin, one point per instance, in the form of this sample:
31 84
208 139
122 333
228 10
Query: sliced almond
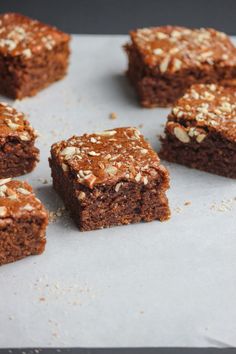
164 64
28 207
12 125
24 136
117 187
81 196
3 211
181 135
23 191
4 180
200 137
93 153
138 177
69 151
111 170
64 167
106 133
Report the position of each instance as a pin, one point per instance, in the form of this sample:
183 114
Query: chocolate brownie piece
32 55
23 221
165 61
18 155
201 130
110 178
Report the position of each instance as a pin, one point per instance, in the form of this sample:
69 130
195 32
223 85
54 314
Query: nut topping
181 135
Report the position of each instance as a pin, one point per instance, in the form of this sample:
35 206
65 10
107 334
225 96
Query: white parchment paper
154 284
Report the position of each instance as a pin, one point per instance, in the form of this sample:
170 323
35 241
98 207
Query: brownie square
110 178
32 55
201 130
18 155
165 61
23 221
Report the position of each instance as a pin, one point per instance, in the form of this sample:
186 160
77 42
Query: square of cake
23 221
18 155
32 55
201 130
110 178
165 61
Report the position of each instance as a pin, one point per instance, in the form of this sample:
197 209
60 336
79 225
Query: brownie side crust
163 62
213 155
32 55
23 221
100 199
18 155
201 130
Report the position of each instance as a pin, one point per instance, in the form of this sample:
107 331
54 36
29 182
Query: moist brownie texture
18 155
165 61
201 130
23 221
32 55
110 178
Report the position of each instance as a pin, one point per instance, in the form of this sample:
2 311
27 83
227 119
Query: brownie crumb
113 116
54 215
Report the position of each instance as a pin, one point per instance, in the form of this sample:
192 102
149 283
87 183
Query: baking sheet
151 284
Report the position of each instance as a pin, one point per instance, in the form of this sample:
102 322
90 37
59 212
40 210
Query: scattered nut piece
113 115
81 196
23 191
181 135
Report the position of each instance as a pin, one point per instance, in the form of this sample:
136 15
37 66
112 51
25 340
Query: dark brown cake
32 55
110 178
18 155
165 61
23 221
201 130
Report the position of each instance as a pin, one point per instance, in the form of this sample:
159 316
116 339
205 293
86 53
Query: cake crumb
54 215
187 202
224 206
42 299
178 210
113 115
43 180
